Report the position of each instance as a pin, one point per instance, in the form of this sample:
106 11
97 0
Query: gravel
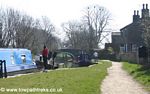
119 82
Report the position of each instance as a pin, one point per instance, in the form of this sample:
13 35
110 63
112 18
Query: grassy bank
85 80
140 73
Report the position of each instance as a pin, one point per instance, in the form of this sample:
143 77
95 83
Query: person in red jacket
45 56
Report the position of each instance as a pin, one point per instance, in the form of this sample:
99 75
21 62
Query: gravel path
119 82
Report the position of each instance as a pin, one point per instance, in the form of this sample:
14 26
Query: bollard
5 69
1 69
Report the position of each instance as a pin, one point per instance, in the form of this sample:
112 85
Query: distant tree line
19 30
23 31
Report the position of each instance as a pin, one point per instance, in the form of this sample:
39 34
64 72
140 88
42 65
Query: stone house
132 34
126 42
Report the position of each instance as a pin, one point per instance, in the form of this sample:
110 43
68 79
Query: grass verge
85 80
140 73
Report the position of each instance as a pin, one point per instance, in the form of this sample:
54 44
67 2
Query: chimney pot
146 6
137 12
143 6
134 12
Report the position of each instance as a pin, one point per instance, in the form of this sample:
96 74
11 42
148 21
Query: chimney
145 11
136 16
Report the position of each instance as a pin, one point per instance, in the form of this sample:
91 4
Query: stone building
132 34
126 42
117 42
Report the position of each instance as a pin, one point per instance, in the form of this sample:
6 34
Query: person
53 58
45 57
49 55
96 57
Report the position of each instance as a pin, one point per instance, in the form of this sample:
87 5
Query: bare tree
76 34
47 30
87 34
22 31
16 28
97 19
8 21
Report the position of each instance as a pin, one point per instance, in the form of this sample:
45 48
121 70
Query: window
122 48
23 57
12 59
134 48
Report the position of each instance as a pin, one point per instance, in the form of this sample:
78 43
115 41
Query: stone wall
130 57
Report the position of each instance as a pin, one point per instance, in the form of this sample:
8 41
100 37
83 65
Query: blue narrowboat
17 59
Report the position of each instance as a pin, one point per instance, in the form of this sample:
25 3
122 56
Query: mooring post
5 69
1 69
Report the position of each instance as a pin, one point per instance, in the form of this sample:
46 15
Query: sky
60 11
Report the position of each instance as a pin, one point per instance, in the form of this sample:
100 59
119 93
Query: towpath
119 82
